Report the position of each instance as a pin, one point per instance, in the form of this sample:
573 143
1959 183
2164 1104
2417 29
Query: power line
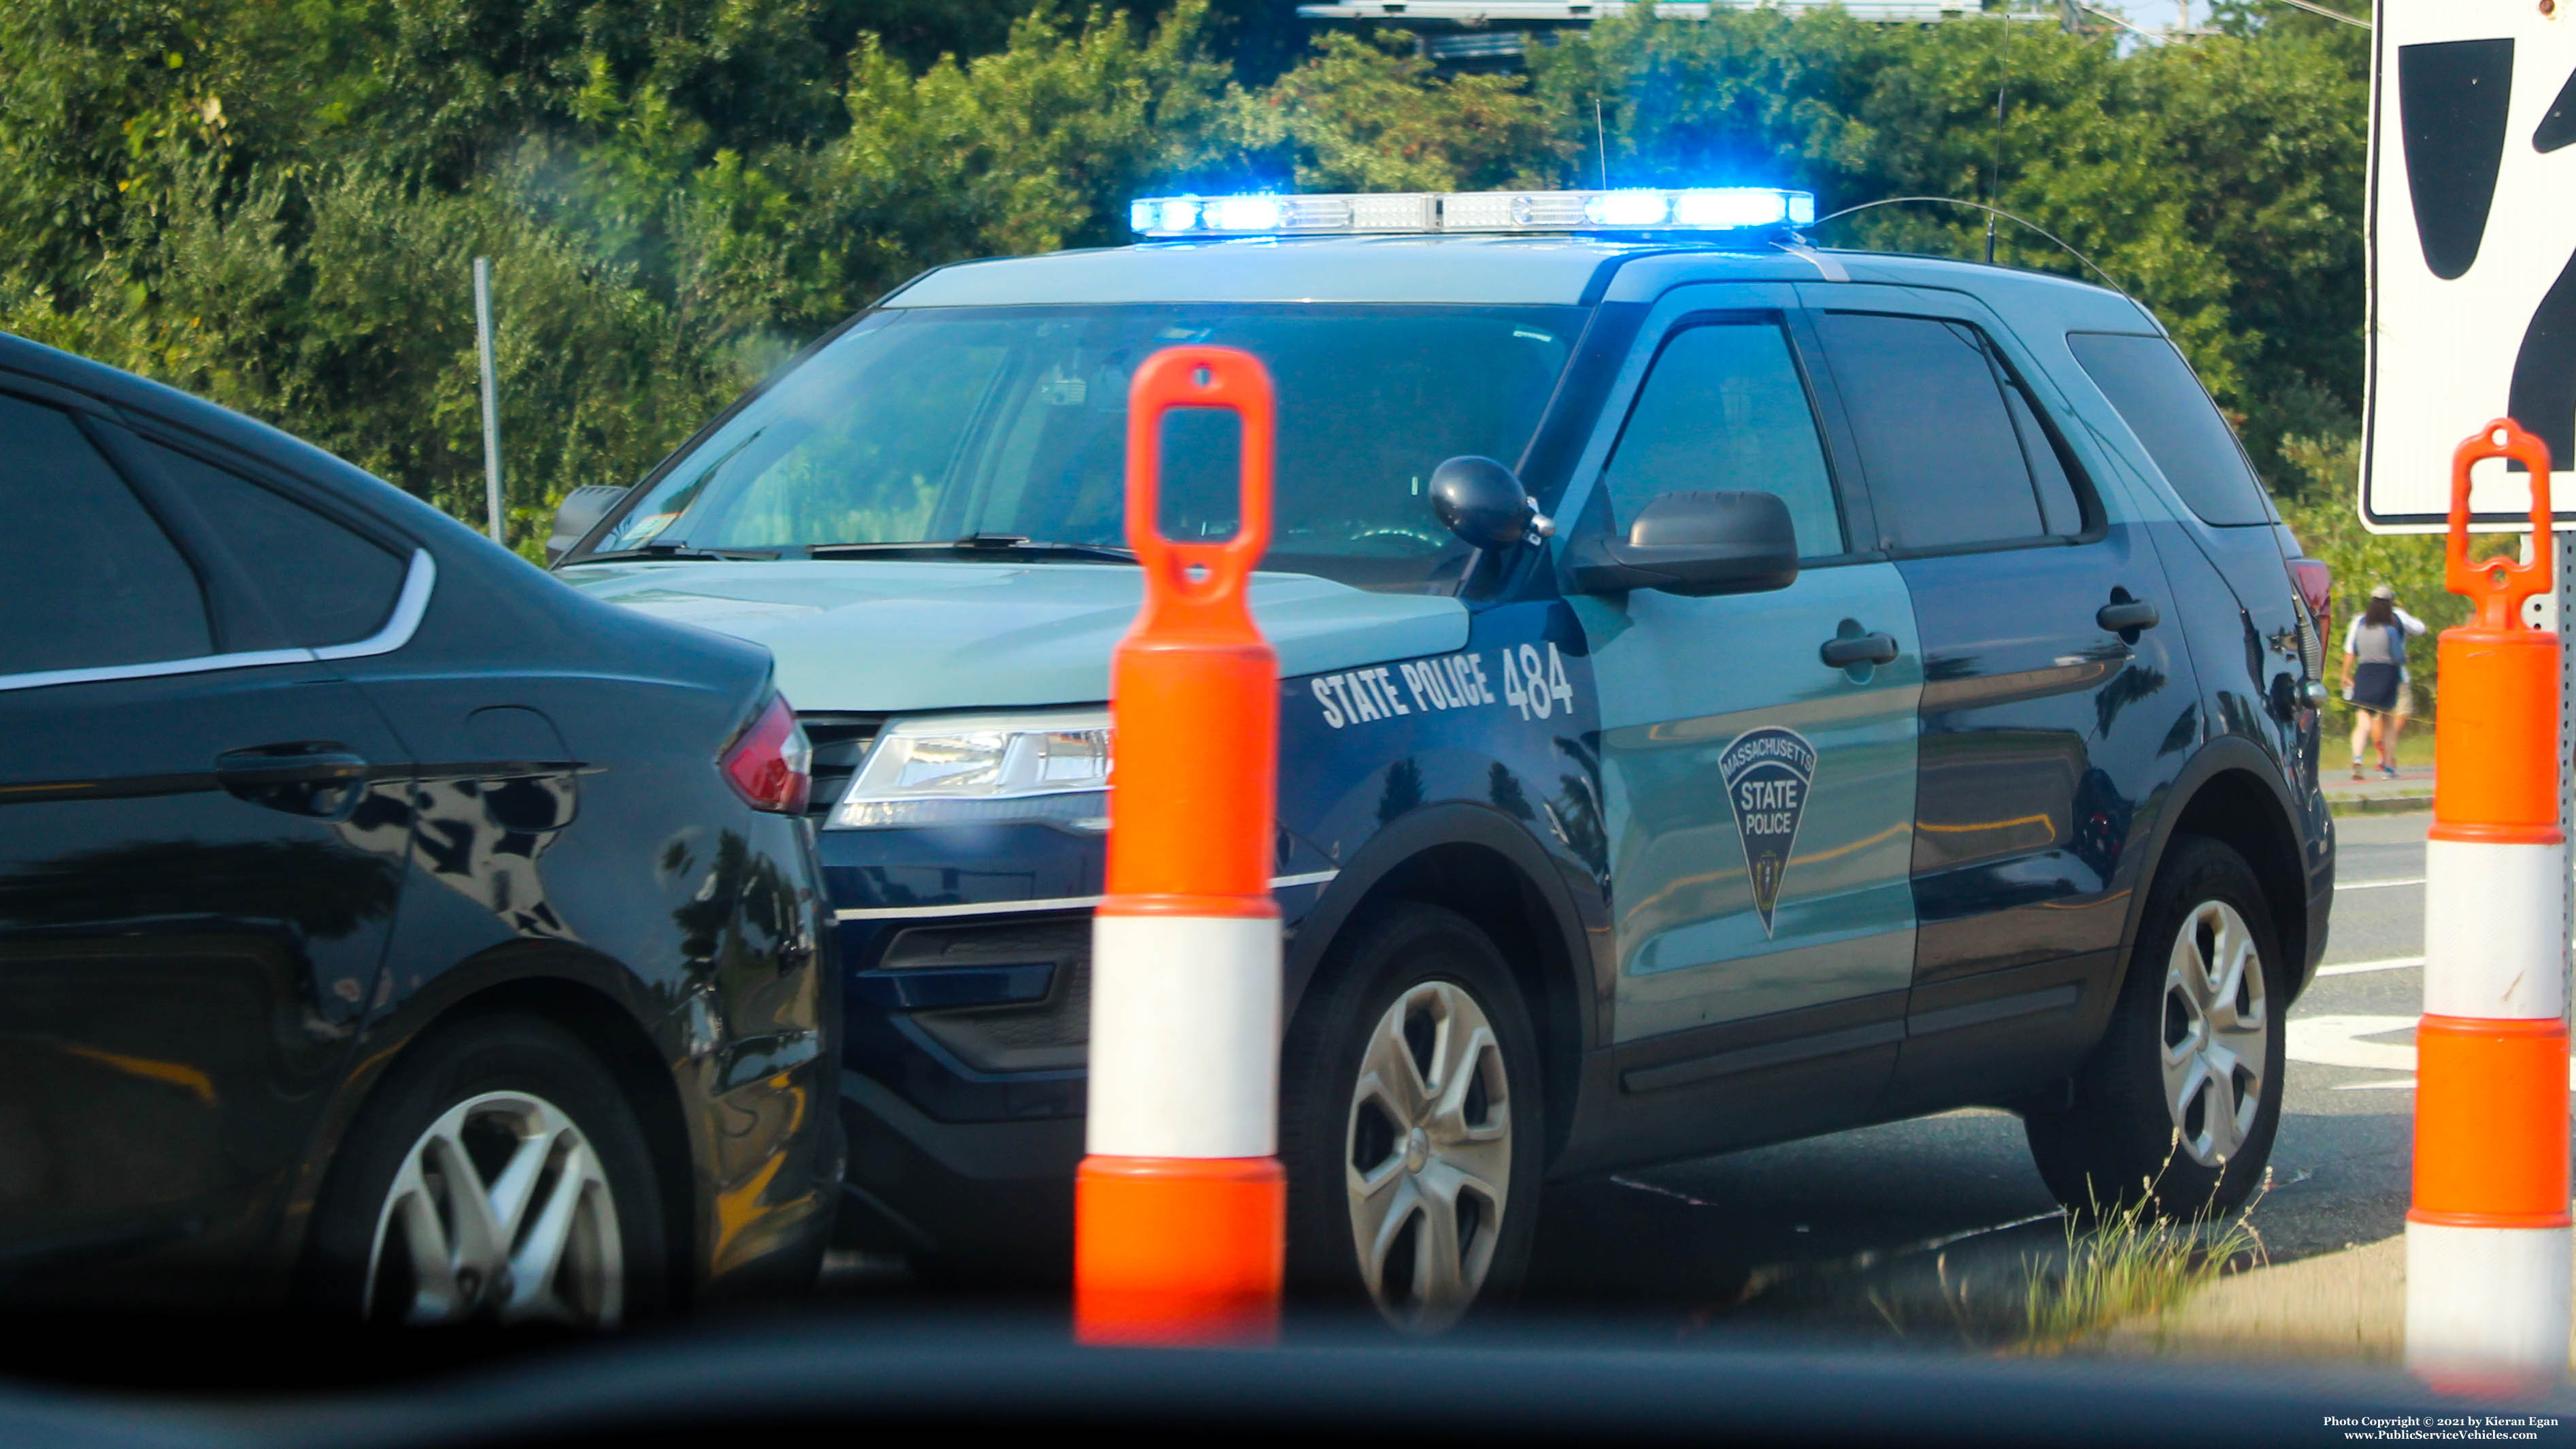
2313 8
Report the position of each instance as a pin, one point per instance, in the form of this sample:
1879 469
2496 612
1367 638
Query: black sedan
384 927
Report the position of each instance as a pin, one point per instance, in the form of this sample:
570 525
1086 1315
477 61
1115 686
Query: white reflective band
1184 1036
2494 943
2487 1298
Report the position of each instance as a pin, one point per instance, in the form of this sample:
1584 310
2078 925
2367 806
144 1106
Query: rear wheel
1411 1123
496 1177
2179 1103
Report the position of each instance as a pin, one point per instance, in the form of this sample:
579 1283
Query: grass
2414 744
2130 1262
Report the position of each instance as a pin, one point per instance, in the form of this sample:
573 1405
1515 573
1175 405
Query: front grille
1049 1034
840 742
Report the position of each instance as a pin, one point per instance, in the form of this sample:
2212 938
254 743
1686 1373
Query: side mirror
1696 544
1479 500
579 512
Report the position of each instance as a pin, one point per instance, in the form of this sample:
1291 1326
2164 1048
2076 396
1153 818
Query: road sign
2472 236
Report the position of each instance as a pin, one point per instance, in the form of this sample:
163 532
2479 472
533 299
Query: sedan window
95 582
325 584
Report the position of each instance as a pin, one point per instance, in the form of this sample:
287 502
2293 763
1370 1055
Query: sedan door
202 835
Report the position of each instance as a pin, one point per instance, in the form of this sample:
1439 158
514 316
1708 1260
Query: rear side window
92 580
1725 408
326 584
2156 395
1955 453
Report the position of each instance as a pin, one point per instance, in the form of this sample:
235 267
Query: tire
2198 1031
1443 1163
446 1115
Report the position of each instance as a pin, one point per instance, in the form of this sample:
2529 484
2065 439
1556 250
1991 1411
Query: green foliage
276 202
2219 181
2123 1260
2323 513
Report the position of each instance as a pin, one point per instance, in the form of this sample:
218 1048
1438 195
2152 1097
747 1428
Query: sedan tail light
770 765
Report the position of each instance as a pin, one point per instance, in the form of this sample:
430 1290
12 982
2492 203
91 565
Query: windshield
936 424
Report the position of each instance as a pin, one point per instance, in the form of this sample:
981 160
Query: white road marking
2340 1041
2355 968
2372 885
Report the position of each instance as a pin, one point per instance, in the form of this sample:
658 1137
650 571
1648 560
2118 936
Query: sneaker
2356 771
2388 772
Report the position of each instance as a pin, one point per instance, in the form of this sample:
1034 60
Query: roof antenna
1601 142
1995 170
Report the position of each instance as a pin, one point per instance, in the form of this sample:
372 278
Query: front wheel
1411 1124
2179 1103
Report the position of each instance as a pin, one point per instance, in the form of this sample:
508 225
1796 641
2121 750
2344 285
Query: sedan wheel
500 1213
1430 1155
497 1176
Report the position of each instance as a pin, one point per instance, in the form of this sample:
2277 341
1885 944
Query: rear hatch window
2160 400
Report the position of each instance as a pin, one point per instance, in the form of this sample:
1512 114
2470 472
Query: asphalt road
1862 1228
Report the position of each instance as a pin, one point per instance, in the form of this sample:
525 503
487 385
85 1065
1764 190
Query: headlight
985 769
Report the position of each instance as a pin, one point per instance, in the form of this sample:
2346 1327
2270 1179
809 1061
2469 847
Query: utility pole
491 399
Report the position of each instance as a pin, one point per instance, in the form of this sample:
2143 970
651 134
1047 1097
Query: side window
2154 392
325 584
1955 454
2059 512
95 581
1724 407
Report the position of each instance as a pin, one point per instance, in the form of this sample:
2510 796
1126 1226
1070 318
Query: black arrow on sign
2543 396
2453 96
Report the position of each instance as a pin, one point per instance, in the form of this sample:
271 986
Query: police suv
1730 691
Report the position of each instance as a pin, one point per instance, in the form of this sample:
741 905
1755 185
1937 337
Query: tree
277 206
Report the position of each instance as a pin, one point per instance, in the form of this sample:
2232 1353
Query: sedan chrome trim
1050 903
409 609
405 619
201 664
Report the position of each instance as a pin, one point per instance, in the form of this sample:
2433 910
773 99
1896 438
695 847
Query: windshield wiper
674 550
980 545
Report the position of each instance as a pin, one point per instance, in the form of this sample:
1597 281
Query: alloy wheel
2217 1030
501 1213
1429 1156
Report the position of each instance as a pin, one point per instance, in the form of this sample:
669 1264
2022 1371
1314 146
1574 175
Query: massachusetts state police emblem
1768 773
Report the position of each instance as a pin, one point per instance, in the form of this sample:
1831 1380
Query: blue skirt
2374 687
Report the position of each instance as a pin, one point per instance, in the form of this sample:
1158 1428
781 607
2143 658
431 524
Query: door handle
313 777
1858 649
2126 616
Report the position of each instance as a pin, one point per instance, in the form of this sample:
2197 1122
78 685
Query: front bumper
966 961
965 954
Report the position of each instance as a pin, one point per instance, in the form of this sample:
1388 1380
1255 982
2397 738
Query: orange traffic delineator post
1180 1206
2487 1241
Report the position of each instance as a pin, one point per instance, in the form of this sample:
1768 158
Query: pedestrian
2375 681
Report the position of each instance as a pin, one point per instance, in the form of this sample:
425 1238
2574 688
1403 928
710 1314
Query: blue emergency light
1691 209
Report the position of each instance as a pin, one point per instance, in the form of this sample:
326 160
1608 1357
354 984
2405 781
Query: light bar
1693 209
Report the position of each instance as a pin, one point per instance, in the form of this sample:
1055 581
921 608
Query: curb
2380 805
